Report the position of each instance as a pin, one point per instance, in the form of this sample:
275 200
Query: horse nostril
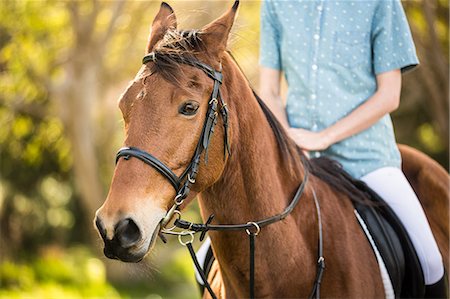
127 232
100 227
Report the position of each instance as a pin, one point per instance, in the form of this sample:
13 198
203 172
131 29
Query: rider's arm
385 100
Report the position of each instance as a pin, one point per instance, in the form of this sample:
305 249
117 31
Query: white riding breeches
391 184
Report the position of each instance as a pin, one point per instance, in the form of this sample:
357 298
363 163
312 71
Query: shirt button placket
314 66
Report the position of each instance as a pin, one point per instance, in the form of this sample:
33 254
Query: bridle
183 183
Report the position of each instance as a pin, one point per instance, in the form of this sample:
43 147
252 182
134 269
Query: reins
183 183
199 227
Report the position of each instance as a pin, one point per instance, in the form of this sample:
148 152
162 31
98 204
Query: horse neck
258 181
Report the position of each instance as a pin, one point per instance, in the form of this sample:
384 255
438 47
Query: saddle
393 244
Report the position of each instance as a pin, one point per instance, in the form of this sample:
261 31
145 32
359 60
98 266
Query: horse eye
188 108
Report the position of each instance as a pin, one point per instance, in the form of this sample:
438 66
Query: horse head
165 111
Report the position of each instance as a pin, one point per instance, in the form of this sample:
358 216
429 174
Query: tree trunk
77 100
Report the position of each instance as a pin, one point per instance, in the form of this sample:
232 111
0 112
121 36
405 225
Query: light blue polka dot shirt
330 53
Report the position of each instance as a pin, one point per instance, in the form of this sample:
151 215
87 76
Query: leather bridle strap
212 73
200 270
216 94
149 159
315 293
200 227
252 233
183 183
189 175
250 229
251 242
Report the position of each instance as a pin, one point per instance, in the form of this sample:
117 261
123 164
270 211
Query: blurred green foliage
70 273
422 120
75 273
35 154
33 140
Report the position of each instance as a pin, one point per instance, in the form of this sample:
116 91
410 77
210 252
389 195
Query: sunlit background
63 65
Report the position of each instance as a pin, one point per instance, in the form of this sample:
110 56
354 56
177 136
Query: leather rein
182 184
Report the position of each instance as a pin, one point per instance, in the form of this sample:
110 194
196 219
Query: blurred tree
422 120
57 61
33 144
81 89
63 64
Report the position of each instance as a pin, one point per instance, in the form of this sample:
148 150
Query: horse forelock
176 45
179 42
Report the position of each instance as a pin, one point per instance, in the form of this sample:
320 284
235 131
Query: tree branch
36 110
117 10
434 47
74 12
438 108
91 19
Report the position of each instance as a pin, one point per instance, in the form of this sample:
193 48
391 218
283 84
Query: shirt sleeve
393 46
269 50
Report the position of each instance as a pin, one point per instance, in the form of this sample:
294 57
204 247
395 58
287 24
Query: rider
343 62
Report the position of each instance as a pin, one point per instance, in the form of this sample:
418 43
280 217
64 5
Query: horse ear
164 20
215 34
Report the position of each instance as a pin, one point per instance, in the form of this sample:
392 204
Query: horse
245 169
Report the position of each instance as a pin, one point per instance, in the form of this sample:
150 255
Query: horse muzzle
127 243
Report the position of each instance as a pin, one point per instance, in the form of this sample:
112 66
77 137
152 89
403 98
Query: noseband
182 184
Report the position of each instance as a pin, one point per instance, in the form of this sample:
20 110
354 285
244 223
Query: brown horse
164 110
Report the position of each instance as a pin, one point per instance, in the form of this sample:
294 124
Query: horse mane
177 45
328 170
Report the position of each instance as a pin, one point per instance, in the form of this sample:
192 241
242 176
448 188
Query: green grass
76 273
